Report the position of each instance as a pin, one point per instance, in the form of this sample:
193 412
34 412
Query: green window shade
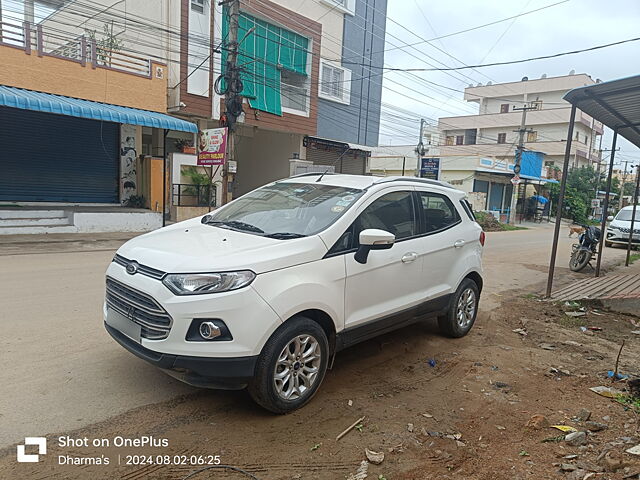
261 52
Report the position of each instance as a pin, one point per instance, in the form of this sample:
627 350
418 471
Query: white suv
264 291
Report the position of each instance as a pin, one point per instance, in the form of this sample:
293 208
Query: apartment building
72 115
308 101
478 151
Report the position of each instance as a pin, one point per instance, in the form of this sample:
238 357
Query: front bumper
228 373
617 236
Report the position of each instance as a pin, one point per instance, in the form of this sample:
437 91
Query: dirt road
67 375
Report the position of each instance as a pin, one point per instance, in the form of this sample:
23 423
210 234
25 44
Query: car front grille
627 230
142 269
140 308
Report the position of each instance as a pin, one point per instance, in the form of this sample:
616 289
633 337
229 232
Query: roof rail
311 174
427 181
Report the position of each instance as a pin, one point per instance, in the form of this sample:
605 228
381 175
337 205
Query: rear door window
438 212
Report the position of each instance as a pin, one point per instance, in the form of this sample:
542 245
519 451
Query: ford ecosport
262 292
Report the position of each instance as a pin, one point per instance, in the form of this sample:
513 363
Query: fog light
209 330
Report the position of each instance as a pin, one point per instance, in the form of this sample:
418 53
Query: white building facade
478 151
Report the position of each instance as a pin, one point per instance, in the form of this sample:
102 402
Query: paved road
61 371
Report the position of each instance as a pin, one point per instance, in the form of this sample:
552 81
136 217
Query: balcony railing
81 49
194 195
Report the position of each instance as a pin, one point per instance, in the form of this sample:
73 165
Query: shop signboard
430 168
212 146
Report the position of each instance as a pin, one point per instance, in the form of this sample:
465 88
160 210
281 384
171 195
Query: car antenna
346 149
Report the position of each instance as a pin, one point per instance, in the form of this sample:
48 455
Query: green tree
581 189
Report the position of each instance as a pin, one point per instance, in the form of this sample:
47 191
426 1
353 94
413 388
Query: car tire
283 380
463 310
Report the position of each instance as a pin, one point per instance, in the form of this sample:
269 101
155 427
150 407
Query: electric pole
518 165
232 98
420 150
624 180
634 202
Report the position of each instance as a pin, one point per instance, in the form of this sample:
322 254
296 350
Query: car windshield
286 210
626 215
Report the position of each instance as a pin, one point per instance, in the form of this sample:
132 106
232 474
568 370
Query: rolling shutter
57 158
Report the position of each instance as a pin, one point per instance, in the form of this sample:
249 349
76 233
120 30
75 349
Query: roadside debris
608 392
635 332
350 403
572 343
634 450
596 426
316 447
576 438
565 428
547 346
374 457
583 415
432 362
410 427
520 331
427 415
361 472
618 376
537 422
575 314
349 428
634 387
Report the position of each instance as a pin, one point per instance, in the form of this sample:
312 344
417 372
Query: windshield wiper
284 235
233 224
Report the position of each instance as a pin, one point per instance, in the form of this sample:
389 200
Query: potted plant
185 146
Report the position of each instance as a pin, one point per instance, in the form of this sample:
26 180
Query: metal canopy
613 103
75 107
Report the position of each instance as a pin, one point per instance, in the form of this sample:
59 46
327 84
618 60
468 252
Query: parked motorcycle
586 248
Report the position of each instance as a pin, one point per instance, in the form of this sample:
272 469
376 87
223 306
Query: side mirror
373 239
610 218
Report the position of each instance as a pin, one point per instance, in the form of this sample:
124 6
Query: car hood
191 246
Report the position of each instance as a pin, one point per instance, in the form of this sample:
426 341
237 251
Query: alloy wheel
297 367
466 308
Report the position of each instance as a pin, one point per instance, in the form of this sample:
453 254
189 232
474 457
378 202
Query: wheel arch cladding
477 279
323 319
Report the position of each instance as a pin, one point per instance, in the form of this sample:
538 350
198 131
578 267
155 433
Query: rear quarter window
466 206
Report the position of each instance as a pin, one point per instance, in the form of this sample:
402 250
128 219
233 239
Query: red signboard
212 146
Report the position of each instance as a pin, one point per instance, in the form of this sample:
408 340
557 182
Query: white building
478 151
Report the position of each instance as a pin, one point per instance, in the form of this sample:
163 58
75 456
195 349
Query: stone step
34 222
26 213
40 229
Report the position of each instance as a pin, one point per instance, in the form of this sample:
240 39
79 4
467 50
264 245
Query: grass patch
572 322
632 403
507 227
634 257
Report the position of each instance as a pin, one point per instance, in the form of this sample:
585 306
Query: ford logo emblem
132 268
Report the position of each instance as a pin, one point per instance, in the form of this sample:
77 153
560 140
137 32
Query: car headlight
201 283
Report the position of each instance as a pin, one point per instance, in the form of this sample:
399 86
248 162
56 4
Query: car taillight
482 237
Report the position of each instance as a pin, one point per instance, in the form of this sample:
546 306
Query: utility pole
624 180
420 150
518 165
634 201
232 98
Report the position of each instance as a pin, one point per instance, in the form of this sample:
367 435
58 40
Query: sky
572 25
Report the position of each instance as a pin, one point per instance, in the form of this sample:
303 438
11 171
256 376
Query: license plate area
123 324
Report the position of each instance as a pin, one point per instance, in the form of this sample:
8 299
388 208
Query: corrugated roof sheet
616 104
75 107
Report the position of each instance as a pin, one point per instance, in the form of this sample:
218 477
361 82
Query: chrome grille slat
141 308
142 269
141 321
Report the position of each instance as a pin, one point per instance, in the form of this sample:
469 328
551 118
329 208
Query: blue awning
75 107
